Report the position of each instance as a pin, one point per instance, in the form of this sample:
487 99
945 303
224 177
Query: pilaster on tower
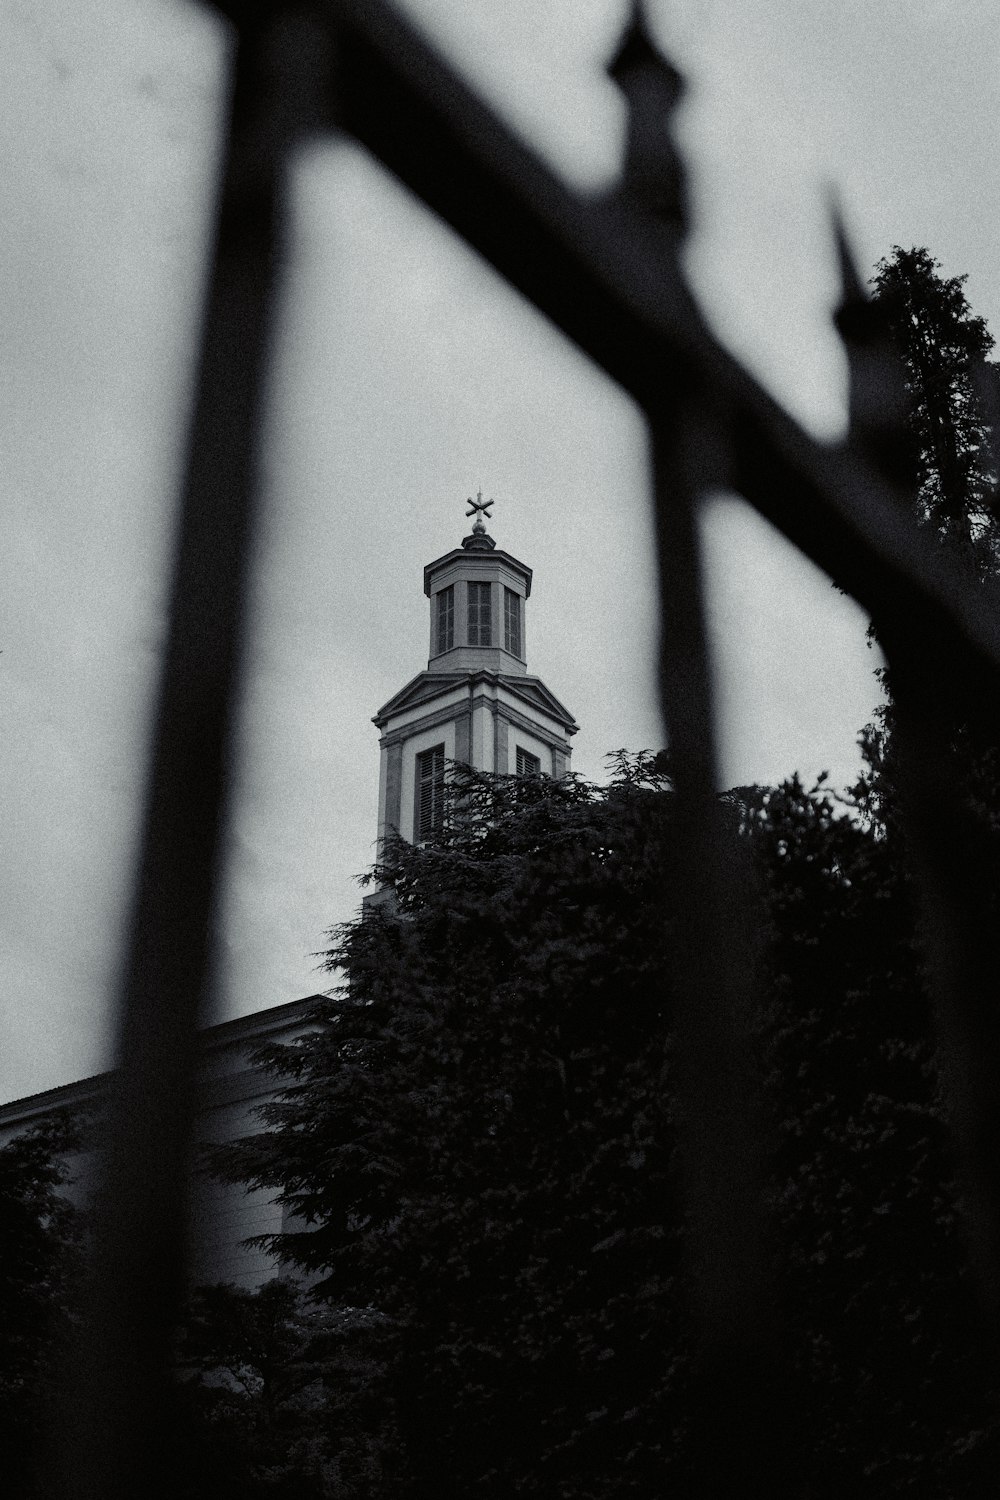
476 703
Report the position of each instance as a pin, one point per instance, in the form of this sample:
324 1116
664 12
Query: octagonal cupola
477 595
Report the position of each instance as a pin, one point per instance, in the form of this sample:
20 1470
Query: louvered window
445 619
480 631
528 764
430 792
512 622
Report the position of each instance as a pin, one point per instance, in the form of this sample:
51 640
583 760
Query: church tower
476 703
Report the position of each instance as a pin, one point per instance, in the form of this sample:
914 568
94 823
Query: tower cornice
477 559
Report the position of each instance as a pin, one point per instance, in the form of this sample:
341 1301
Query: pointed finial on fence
637 49
877 400
855 315
653 172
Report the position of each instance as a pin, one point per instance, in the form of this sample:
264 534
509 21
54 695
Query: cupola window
480 627
512 622
445 619
430 792
528 764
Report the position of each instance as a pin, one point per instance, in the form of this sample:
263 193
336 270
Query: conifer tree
954 417
953 391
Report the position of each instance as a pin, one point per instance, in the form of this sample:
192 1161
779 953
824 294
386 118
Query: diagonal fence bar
587 264
116 1441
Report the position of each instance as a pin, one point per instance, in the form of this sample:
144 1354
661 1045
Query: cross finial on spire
478 539
479 506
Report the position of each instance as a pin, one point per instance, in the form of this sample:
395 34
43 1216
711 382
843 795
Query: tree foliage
41 1232
882 1327
478 1144
265 1380
952 390
478 1147
954 395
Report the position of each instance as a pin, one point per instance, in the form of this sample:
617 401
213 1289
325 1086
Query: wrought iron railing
605 271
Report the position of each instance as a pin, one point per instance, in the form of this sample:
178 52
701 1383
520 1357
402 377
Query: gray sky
406 376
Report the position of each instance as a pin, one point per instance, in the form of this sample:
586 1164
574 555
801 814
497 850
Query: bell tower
476 704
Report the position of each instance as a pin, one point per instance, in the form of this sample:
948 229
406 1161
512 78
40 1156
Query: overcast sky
407 376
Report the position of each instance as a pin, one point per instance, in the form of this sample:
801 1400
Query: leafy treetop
953 392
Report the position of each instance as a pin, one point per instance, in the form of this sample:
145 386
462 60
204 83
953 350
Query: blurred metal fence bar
711 1080
955 860
116 1441
605 271
591 266
710 1075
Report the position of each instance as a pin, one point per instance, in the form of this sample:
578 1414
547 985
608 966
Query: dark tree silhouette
954 415
479 1144
41 1232
267 1380
953 398
487 1158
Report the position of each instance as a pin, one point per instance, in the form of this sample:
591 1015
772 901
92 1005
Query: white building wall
224 1217
482 737
383 778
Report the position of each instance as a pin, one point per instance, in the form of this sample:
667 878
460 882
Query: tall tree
954 419
952 390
